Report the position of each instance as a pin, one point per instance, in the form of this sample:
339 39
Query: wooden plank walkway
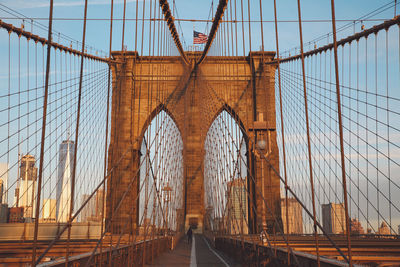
199 253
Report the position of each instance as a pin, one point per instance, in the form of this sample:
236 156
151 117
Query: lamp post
262 135
167 198
261 145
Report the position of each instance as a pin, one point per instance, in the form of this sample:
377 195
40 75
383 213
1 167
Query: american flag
199 38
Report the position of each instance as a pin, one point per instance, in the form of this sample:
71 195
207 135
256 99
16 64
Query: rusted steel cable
41 164
36 38
62 230
73 178
308 134
217 20
171 25
107 129
340 122
123 28
282 131
355 37
308 212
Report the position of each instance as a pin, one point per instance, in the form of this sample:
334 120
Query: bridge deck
368 250
198 253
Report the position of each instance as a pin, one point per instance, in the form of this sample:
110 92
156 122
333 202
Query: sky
68 22
98 30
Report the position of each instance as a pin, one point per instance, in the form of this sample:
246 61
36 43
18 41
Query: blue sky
98 31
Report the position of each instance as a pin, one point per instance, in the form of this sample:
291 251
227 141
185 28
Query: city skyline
64 183
26 193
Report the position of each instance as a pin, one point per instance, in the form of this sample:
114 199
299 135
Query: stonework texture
193 96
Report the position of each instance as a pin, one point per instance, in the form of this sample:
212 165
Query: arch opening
226 183
161 176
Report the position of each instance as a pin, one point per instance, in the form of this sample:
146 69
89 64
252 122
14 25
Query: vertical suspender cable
308 135
28 111
123 28
387 123
339 110
46 94
248 12
71 208
106 142
262 31
243 39
9 102
282 130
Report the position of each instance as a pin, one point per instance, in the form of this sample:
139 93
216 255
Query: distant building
89 209
4 182
356 227
65 169
333 218
27 186
2 189
3 213
49 210
383 229
93 211
295 213
237 206
16 215
398 229
99 204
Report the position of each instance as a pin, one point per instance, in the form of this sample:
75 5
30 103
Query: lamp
263 149
261 144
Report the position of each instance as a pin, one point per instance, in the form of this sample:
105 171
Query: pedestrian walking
189 234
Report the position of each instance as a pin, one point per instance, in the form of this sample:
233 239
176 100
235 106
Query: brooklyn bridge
272 140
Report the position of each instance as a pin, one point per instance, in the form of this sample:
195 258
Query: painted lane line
216 254
193 261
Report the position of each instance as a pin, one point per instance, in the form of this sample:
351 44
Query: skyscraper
89 210
237 206
49 210
295 216
27 192
333 218
99 204
92 212
65 169
4 180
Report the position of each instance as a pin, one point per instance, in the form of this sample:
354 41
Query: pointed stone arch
246 96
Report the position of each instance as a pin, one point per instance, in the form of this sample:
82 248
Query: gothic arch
152 115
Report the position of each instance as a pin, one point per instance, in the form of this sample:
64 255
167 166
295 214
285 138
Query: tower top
68 142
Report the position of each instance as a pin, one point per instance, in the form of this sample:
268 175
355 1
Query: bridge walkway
199 253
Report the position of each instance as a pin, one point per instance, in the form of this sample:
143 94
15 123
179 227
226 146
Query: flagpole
193 39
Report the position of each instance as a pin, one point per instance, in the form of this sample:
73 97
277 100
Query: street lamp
261 144
167 198
263 150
